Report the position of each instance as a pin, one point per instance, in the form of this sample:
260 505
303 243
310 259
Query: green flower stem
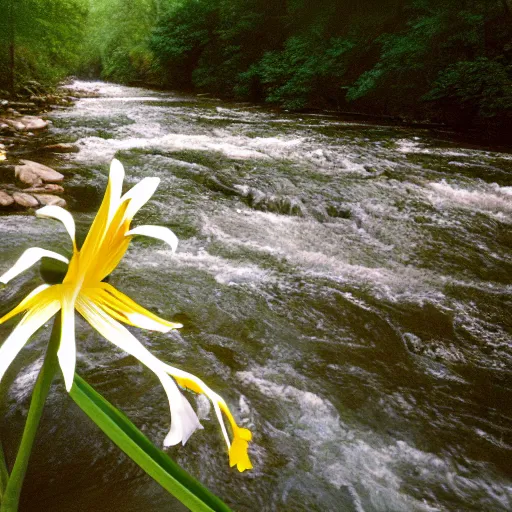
11 496
4 474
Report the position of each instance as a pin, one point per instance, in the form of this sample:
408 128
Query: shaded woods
422 60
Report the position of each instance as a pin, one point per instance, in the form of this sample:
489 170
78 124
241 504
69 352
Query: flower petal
190 381
29 258
124 309
139 195
58 213
160 232
116 179
184 420
28 325
106 212
67 347
238 452
184 417
25 304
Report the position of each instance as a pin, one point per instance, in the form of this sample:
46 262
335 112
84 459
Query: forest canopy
418 59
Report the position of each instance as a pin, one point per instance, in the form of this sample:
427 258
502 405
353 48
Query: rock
27 176
51 188
33 123
13 123
25 200
38 99
62 148
5 199
42 171
48 199
22 104
213 183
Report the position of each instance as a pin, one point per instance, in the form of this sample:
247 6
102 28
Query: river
345 286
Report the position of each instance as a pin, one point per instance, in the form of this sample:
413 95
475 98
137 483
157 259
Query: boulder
62 148
48 199
33 123
25 175
13 123
5 199
49 188
22 104
43 172
25 200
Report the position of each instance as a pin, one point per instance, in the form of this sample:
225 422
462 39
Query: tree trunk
506 7
12 36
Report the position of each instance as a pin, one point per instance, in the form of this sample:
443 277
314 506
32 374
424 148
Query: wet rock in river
49 188
214 183
44 173
23 106
25 175
62 148
338 211
320 213
33 123
47 199
274 203
13 123
5 199
25 200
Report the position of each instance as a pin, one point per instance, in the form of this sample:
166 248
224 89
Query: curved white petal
199 384
67 347
182 413
28 325
184 420
27 259
139 195
116 178
58 213
160 232
144 322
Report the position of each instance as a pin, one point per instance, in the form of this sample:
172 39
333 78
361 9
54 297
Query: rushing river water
345 286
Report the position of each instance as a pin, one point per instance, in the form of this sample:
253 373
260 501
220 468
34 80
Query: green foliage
180 44
116 42
481 87
388 56
47 37
305 68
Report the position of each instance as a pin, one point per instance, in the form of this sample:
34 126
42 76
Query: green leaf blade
142 451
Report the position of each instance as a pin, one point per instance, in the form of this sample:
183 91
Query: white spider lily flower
104 307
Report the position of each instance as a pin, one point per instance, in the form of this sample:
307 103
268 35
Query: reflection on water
344 286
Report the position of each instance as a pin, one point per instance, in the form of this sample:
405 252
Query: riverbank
27 183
